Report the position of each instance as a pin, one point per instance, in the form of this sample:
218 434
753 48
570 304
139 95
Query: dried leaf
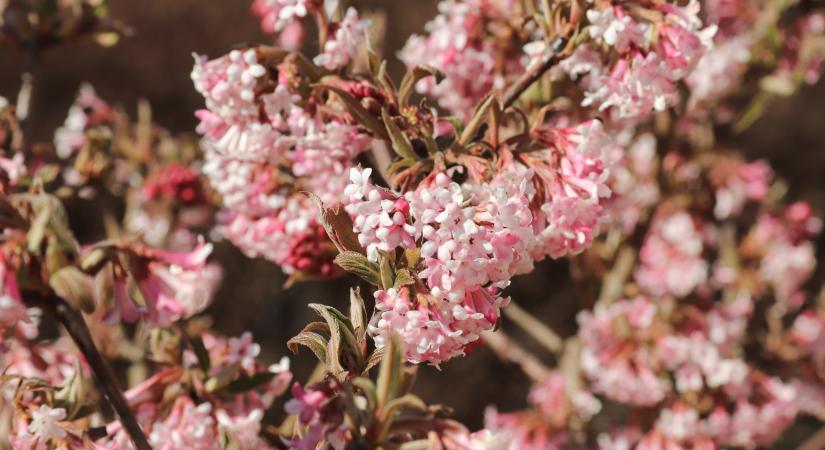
412 77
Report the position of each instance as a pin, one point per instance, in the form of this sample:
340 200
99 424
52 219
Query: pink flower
671 257
343 45
172 286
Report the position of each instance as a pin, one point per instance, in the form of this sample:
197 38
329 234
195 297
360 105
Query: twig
815 442
534 327
530 77
508 350
79 331
615 279
24 96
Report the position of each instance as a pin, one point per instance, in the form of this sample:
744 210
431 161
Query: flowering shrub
595 132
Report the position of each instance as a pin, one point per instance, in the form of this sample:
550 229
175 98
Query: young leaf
477 121
357 313
387 274
403 278
390 371
316 343
74 286
400 142
358 264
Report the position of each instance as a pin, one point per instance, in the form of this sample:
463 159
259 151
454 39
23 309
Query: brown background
155 64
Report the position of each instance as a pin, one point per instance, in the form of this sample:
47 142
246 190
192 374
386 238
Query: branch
528 78
532 75
614 281
534 327
815 442
509 351
76 326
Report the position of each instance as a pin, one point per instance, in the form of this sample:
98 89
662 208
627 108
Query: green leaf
222 379
367 388
386 272
200 351
358 314
358 264
342 332
390 371
316 343
95 259
71 395
400 142
390 410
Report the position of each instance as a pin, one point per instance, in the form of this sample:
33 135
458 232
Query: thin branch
24 95
532 75
614 281
534 327
510 351
79 331
815 442
528 78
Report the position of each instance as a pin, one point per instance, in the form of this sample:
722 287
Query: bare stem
534 327
615 279
535 72
79 331
510 351
815 442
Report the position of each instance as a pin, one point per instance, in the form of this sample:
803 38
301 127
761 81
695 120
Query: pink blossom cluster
737 182
637 352
546 425
275 14
265 145
87 111
458 44
474 238
672 260
317 410
343 45
786 251
651 57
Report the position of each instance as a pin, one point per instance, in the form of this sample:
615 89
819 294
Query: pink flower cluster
632 349
546 425
265 145
458 45
671 257
474 237
787 254
317 410
651 57
342 47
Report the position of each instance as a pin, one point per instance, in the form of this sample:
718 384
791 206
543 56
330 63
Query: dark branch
76 326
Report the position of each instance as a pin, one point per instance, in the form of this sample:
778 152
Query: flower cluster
265 147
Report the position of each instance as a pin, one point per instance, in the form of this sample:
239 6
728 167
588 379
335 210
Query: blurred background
154 64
